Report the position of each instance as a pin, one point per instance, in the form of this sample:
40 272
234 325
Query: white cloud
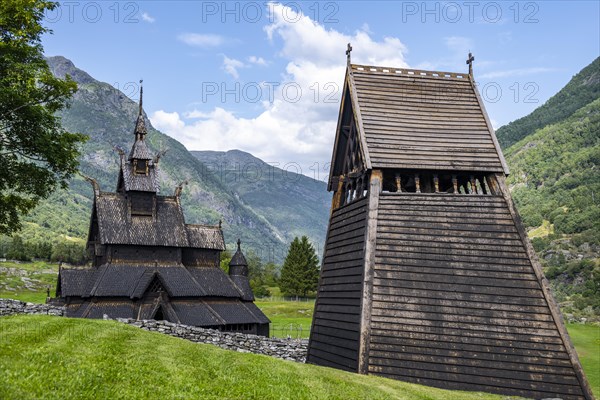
257 60
147 17
300 129
231 65
509 73
167 122
201 39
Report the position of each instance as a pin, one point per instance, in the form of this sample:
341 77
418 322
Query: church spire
139 150
140 125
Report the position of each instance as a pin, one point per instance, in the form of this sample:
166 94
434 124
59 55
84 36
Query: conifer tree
300 271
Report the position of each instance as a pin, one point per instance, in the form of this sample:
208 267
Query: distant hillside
555 181
580 91
107 116
293 204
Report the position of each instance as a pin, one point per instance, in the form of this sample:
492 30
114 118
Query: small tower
238 266
428 275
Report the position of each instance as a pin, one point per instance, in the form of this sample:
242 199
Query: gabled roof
117 226
208 313
413 119
206 237
138 182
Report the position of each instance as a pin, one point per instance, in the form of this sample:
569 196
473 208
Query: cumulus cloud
147 17
257 60
201 39
297 125
231 66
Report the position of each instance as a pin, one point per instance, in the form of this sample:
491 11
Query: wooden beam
358 120
375 187
337 195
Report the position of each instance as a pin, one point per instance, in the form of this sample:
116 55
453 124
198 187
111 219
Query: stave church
148 263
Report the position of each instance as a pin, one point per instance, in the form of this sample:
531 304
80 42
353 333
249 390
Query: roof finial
470 62
239 242
141 95
348 51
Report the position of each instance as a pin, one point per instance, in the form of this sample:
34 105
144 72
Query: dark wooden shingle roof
132 281
140 151
140 183
214 282
422 120
206 237
168 228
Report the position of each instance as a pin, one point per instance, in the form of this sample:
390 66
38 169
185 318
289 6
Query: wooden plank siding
456 301
422 121
334 338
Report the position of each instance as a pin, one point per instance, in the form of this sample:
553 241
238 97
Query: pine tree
300 271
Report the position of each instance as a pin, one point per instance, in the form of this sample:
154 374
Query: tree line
15 248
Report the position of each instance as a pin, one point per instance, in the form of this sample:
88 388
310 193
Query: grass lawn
293 318
27 281
46 357
288 318
586 339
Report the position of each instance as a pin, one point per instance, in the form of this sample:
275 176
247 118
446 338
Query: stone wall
286 349
10 307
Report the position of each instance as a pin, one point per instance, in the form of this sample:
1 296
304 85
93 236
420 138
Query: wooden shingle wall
334 339
456 301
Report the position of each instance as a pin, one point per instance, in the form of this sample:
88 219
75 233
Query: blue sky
266 77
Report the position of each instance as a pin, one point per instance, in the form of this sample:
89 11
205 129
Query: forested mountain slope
555 181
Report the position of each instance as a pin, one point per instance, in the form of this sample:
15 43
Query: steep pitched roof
117 226
206 237
131 181
420 120
455 299
139 150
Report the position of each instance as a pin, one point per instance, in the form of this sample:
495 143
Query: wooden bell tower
428 275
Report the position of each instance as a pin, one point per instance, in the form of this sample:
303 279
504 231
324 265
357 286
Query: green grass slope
586 339
45 357
581 90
